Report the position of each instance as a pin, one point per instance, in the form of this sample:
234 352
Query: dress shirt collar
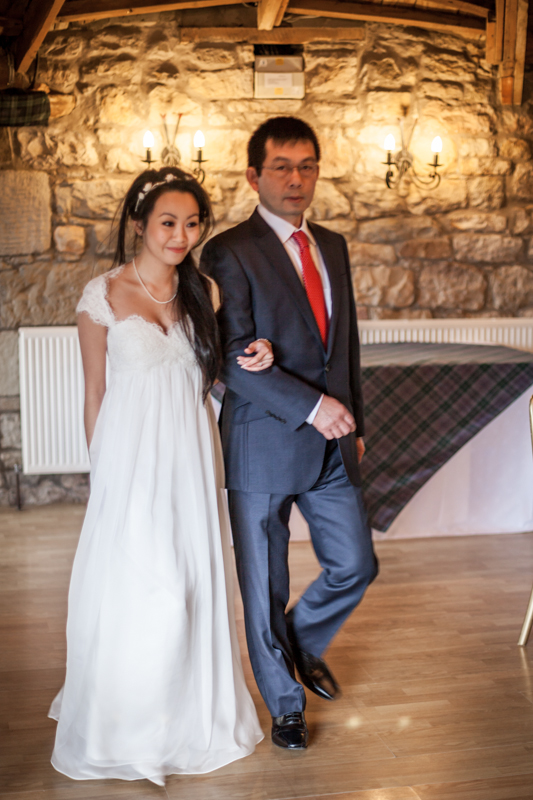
282 228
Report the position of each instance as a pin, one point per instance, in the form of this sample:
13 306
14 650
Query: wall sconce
148 143
199 143
402 162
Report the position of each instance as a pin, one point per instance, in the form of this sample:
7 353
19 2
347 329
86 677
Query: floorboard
437 697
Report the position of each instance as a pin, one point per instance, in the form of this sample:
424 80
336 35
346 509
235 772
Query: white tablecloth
486 487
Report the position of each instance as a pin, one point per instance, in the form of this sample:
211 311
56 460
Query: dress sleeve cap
94 302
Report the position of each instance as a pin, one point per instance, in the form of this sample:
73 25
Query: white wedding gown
154 683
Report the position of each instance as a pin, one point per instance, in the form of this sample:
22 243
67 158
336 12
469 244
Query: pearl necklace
159 302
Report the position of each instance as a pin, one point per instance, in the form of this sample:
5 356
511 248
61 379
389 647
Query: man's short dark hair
281 130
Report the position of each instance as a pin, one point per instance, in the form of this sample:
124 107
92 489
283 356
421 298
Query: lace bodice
133 343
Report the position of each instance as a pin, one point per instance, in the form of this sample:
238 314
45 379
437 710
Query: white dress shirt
284 231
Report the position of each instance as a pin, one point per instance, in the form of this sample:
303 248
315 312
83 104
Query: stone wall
464 249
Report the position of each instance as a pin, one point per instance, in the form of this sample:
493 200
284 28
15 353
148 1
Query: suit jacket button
327 367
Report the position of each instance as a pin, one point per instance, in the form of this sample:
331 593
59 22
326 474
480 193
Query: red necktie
313 285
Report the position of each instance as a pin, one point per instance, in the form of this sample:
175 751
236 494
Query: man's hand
333 420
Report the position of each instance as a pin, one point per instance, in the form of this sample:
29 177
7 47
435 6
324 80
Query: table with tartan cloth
423 402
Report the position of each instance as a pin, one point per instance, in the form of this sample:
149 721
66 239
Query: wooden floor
437 703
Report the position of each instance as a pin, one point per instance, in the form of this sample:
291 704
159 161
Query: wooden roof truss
504 24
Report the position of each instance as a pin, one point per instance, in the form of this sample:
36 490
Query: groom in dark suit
291 434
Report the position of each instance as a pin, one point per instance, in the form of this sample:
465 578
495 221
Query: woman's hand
262 359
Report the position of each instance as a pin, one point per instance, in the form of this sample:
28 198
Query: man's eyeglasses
283 171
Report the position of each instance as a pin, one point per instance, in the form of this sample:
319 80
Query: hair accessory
149 187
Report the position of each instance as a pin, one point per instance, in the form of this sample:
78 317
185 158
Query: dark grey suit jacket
268 446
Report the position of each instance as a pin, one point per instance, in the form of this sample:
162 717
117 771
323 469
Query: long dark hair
193 306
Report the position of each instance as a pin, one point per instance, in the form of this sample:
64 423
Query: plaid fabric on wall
19 108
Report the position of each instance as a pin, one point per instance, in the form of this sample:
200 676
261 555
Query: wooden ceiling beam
520 51
275 36
38 19
396 15
86 11
281 13
509 49
460 5
268 12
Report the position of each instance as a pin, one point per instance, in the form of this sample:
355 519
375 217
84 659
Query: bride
154 683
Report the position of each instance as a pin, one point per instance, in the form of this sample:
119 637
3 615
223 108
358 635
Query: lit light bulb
390 144
436 145
148 139
199 139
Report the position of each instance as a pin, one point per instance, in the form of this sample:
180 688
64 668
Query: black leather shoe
314 672
290 731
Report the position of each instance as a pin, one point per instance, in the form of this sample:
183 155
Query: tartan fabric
418 416
18 108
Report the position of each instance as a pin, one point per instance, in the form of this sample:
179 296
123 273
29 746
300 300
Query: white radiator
51 401
51 379
509 332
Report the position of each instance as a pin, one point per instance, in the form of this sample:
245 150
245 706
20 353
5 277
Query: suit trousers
334 511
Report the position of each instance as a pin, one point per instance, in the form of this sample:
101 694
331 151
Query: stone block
166 100
451 285
97 199
76 487
522 181
346 226
102 238
476 147
511 288
450 93
10 435
363 254
61 105
383 71
228 83
519 221
489 247
337 156
10 458
397 229
384 286
123 68
449 195
337 113
212 57
42 493
515 149
243 204
442 66
70 239
486 193
116 106
60 76
42 293
62 45
476 221
404 313
9 363
117 160
226 152
478 166
328 202
10 402
426 249
25 212
331 76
